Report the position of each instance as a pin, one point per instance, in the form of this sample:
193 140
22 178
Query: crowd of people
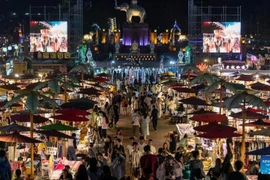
144 105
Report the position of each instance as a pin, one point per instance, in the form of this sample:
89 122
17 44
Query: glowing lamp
86 36
4 49
9 48
16 46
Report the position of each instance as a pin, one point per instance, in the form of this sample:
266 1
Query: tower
74 16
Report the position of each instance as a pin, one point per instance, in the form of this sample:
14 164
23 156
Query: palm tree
67 78
205 78
55 87
31 103
189 68
242 100
223 85
83 69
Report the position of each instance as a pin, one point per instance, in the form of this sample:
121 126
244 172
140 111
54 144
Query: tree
223 85
55 87
188 69
241 100
31 103
205 78
66 78
83 69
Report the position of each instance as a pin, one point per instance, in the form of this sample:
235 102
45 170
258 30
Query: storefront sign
53 55
265 165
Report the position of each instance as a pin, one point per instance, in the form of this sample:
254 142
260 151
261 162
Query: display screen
48 36
221 37
265 165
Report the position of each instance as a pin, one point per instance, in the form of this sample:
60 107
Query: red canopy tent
260 86
249 115
243 77
69 117
214 126
257 110
259 122
194 101
186 90
100 79
191 75
73 111
26 118
219 134
209 117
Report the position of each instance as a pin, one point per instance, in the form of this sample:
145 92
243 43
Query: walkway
158 136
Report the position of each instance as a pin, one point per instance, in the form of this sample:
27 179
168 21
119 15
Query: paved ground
158 137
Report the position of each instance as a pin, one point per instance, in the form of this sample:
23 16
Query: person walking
72 146
149 162
115 114
145 125
238 165
5 168
135 161
104 125
196 167
154 117
135 123
81 174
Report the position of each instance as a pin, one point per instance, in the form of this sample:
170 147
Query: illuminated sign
265 165
48 36
221 37
53 55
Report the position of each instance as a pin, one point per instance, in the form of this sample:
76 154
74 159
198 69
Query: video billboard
221 37
48 36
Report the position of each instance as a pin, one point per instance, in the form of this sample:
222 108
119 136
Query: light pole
112 62
173 65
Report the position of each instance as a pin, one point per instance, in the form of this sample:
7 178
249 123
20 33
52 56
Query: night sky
161 14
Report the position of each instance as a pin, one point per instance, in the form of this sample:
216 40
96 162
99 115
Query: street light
172 62
5 50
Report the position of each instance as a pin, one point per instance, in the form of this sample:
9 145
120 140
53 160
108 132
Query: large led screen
221 37
48 36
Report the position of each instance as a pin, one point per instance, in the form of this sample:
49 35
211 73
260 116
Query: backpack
4 170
